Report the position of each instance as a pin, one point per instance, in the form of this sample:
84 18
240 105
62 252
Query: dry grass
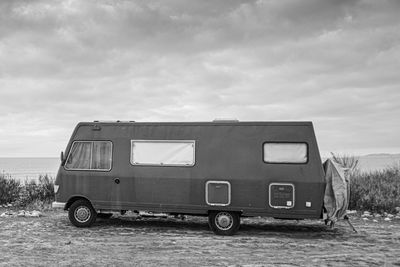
31 192
9 189
347 161
377 191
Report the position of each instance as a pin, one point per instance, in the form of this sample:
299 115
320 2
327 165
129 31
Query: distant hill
375 162
382 155
379 161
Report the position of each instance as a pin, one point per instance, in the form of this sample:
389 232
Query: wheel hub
82 214
224 221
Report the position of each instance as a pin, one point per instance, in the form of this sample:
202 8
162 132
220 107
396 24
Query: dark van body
223 170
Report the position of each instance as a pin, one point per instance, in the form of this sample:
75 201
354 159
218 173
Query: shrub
9 189
346 161
377 191
37 192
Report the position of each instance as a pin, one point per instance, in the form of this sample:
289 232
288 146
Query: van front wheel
81 213
224 222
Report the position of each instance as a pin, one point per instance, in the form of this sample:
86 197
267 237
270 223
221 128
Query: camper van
222 169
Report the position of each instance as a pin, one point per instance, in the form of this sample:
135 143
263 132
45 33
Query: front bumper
58 205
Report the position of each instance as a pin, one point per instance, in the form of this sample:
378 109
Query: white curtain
86 155
153 152
79 157
101 156
285 152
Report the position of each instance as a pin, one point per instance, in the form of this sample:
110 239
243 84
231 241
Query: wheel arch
239 212
75 198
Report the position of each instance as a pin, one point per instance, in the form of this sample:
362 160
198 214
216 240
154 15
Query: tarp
337 191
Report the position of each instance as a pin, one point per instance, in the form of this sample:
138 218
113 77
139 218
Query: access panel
218 193
281 195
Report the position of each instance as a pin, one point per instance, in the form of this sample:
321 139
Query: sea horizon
27 168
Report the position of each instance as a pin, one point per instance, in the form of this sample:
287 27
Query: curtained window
90 155
285 153
101 156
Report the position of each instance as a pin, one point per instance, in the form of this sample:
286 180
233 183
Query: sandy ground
131 241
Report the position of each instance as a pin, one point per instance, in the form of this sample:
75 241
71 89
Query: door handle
117 181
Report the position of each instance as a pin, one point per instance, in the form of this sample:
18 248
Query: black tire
104 215
81 213
224 222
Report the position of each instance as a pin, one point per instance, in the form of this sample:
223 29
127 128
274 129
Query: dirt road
129 241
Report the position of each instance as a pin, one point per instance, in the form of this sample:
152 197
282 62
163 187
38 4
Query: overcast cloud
335 63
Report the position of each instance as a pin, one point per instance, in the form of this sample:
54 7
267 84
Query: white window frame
193 142
91 155
287 161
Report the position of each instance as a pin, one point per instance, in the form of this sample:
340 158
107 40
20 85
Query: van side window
275 152
163 152
90 155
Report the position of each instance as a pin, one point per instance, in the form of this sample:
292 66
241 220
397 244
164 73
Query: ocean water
29 168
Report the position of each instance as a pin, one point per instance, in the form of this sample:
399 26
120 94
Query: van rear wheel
81 213
224 222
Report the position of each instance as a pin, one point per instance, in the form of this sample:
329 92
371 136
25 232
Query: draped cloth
337 191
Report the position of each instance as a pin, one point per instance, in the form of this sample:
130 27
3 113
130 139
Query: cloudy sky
336 63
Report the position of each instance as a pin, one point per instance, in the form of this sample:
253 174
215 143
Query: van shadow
262 229
297 230
153 223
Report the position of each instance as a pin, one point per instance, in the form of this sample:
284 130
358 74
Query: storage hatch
281 195
218 193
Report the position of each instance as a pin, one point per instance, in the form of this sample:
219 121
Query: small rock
351 211
365 219
377 215
367 214
4 215
375 221
390 215
22 213
8 213
36 213
9 205
387 219
397 217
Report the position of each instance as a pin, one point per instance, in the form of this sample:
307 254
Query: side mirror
62 156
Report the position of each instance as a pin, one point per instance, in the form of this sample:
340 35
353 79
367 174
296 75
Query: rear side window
90 155
285 152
